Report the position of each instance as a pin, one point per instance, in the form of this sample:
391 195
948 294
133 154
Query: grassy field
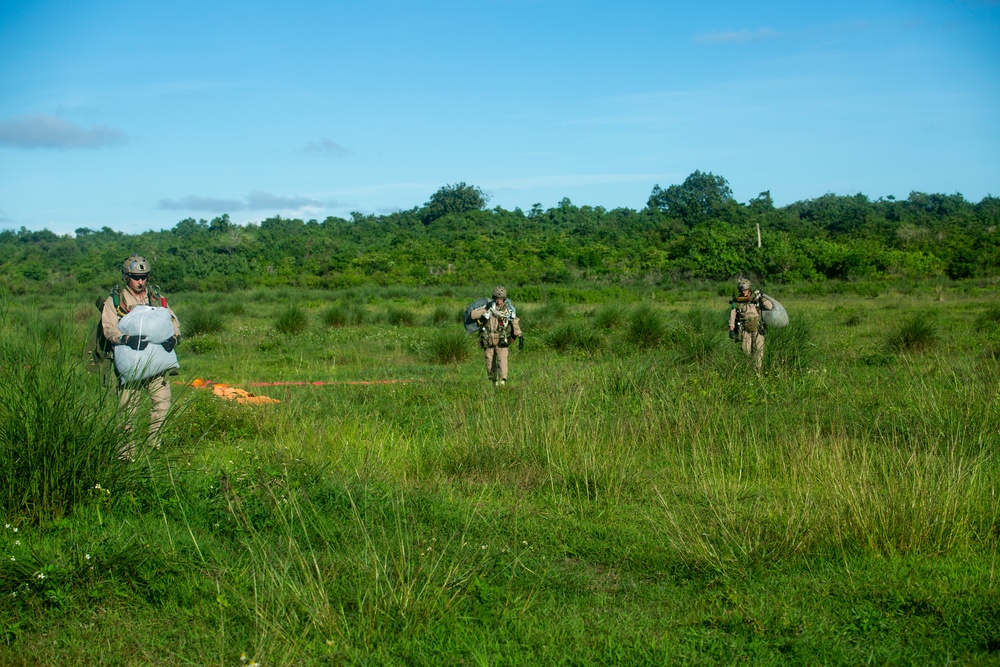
635 495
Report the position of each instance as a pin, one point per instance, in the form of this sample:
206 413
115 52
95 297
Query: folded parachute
156 326
777 317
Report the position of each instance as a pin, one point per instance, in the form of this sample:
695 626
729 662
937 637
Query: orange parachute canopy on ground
228 393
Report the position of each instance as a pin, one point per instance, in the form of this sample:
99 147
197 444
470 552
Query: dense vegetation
691 230
636 495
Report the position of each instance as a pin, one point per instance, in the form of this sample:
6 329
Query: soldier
499 326
746 323
135 273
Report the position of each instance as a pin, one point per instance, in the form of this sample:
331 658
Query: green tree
457 199
701 197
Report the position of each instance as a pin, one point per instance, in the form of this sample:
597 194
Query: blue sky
136 115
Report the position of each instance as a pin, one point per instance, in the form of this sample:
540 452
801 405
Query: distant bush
574 336
343 315
292 320
609 316
401 317
989 319
202 321
646 328
449 346
445 315
915 335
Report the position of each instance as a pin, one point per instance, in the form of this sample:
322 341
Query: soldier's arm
177 325
109 322
732 318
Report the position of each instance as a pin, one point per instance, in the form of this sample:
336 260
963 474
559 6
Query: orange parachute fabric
228 393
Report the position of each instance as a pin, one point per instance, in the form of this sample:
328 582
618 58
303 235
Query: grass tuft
916 334
292 320
646 328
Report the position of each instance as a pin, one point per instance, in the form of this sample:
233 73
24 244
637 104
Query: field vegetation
635 495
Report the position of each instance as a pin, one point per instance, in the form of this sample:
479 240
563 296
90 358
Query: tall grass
436 520
62 435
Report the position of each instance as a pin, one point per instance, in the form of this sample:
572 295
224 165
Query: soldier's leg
488 354
502 353
128 403
159 393
746 342
758 351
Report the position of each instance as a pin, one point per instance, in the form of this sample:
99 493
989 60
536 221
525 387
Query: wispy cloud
45 131
736 36
326 147
3 217
255 201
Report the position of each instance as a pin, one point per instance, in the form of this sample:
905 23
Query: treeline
694 230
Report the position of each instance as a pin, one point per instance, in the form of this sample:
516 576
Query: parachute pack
777 317
471 325
156 326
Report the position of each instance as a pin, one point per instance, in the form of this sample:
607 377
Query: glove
732 334
756 295
520 342
170 343
135 342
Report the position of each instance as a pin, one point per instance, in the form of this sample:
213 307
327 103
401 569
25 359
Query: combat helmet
500 292
743 284
136 265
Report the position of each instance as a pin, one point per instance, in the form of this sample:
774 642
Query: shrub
401 317
444 315
449 346
988 319
790 347
914 335
342 315
609 316
202 321
292 320
569 336
645 328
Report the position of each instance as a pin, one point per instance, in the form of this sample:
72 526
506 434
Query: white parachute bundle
777 317
156 326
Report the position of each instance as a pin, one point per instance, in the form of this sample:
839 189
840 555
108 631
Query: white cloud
201 204
45 131
255 201
327 147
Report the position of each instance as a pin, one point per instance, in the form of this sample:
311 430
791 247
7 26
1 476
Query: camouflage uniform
746 311
501 327
157 387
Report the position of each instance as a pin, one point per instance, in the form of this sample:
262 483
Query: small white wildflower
41 575
15 530
87 556
12 558
483 547
6 525
17 543
97 486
